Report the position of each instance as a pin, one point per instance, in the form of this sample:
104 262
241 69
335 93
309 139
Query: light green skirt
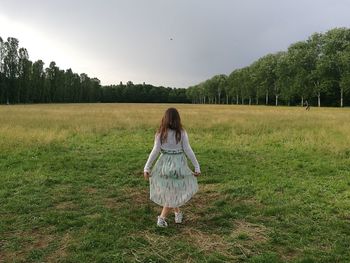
172 182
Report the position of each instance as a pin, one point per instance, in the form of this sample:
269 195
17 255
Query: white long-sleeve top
170 144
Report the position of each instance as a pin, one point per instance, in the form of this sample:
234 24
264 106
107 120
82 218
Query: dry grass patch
253 232
29 240
208 243
61 252
90 190
135 197
247 237
206 195
112 203
201 202
94 216
67 205
138 196
45 124
230 246
159 245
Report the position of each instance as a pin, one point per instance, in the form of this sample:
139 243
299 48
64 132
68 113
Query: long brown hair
170 120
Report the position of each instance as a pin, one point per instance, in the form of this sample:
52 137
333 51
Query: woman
172 183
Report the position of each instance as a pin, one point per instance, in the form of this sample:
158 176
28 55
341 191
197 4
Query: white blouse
170 144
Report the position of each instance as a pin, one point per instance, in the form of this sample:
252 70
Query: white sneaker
178 217
161 222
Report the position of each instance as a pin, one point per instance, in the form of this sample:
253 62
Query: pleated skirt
172 182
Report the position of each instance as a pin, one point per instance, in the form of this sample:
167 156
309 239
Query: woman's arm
189 152
154 153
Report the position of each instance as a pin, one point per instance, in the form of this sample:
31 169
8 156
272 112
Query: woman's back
170 142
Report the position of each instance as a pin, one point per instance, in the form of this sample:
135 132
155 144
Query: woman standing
172 182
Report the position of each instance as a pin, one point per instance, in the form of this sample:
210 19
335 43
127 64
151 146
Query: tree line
24 81
143 93
317 70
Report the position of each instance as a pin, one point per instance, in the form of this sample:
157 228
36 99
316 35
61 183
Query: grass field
274 186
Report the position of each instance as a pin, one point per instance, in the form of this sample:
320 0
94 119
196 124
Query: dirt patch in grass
201 206
138 196
288 254
254 232
207 242
250 202
67 205
249 238
160 246
112 202
90 190
94 216
29 240
242 243
134 197
61 251
246 236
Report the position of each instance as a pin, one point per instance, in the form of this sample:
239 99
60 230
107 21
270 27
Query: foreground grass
275 185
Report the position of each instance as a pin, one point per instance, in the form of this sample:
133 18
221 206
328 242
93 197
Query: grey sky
130 39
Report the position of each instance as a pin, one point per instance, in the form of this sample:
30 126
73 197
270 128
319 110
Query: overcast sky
117 40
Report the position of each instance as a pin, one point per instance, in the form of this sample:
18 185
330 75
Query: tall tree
345 74
248 84
218 84
316 53
24 76
266 75
38 82
11 68
2 73
301 69
235 85
52 81
280 69
256 85
336 43
284 78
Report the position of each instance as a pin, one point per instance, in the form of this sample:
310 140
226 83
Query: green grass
274 186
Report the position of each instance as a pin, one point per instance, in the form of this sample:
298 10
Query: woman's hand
146 175
196 174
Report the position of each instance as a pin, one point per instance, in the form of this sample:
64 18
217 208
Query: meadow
275 185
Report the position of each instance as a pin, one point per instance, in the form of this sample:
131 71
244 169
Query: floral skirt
172 182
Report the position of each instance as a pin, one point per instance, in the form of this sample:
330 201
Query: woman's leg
165 211
176 209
